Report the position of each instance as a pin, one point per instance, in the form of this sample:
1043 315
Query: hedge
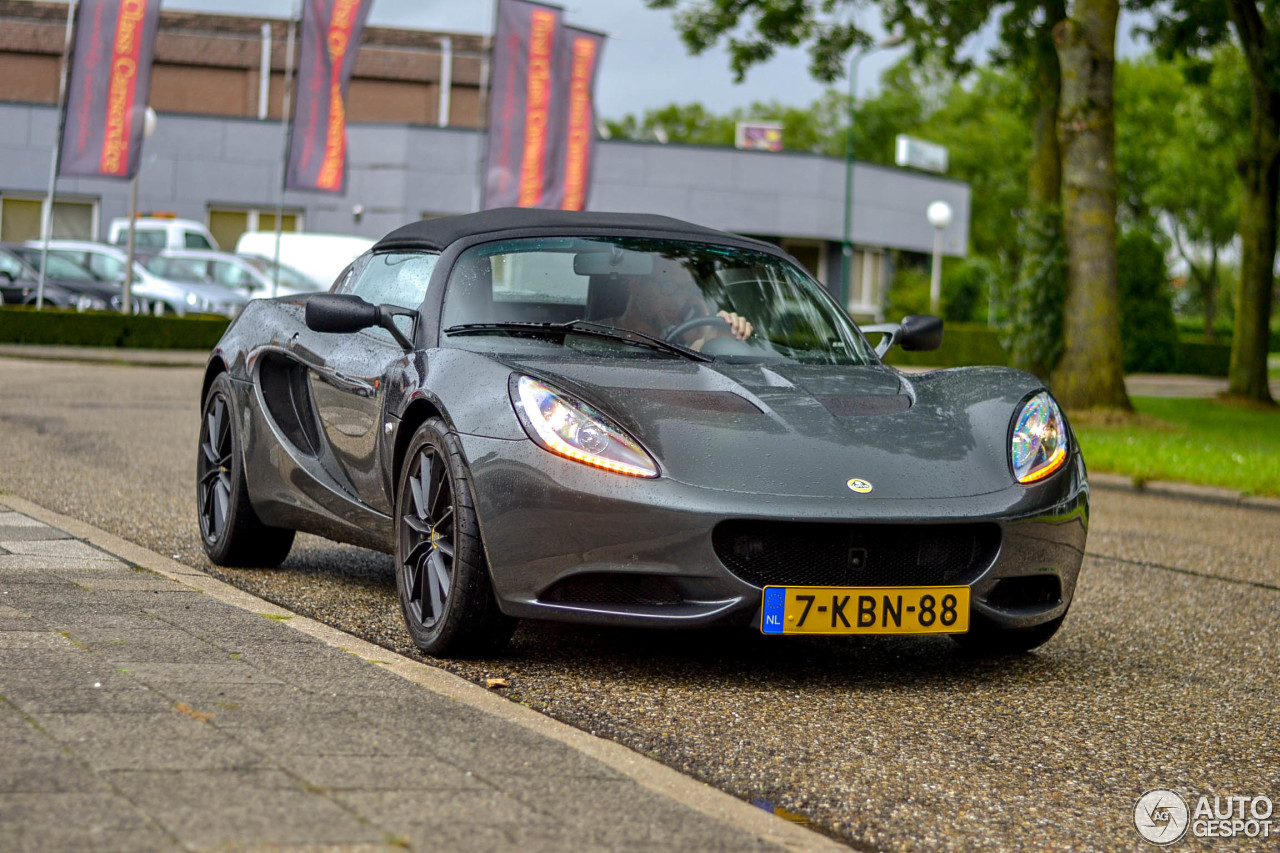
101 329
965 344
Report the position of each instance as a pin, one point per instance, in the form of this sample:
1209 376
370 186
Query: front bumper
571 543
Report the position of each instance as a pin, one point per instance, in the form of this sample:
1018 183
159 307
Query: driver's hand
739 325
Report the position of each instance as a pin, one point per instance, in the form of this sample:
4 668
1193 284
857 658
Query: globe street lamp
939 215
847 246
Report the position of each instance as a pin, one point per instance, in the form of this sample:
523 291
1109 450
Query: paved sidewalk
146 706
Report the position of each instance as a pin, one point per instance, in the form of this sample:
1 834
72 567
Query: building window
226 224
866 284
20 218
811 254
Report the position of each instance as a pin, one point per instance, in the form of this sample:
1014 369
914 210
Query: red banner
318 131
583 55
108 85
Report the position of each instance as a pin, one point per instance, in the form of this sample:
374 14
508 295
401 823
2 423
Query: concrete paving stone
247 701
270 809
381 773
88 811
338 672
42 659
44 767
98 616
41 839
9 518
160 674
7 612
122 645
65 549
136 583
341 733
15 620
45 640
261 632
497 748
85 670
407 813
13 533
86 699
163 741
17 570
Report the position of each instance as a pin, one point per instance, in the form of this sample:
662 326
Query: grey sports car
631 420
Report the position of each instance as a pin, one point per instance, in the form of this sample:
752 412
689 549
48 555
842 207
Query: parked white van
320 256
161 232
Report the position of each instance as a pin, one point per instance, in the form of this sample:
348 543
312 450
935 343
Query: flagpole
284 144
46 224
486 65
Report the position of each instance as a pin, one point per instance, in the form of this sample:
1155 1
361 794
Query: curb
657 777
107 355
1183 491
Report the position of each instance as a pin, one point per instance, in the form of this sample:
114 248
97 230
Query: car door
350 374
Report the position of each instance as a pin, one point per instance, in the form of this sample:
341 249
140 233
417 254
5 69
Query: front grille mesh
818 554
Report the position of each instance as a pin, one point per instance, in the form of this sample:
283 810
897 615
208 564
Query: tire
442 577
986 640
230 530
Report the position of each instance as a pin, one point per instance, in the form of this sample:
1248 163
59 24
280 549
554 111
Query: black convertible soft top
437 234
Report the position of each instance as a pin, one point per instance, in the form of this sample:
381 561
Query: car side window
148 238
105 266
229 275
11 268
196 241
395 278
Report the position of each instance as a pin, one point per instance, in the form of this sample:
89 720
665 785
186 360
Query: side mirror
340 313
920 333
916 333
343 313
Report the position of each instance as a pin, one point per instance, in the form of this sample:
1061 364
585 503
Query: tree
1194 27
1091 372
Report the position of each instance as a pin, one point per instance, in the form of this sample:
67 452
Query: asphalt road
1164 675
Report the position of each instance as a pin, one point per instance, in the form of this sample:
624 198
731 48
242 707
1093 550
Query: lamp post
847 244
939 215
126 297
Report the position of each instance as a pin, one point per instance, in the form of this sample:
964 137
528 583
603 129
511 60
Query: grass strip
1190 440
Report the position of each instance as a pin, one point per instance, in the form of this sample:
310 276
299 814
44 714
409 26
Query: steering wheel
697 322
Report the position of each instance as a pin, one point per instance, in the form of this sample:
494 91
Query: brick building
415 111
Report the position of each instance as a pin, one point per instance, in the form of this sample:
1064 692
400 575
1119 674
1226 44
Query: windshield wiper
580 327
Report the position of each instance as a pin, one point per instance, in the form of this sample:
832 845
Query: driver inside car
659 302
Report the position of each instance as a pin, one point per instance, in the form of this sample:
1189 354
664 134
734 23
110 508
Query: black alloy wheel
230 530
445 592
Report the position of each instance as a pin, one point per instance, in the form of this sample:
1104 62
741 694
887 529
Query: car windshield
178 269
516 296
289 277
59 267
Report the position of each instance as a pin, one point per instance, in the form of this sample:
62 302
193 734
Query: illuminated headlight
1038 446
193 300
576 431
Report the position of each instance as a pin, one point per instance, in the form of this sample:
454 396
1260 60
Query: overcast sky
645 64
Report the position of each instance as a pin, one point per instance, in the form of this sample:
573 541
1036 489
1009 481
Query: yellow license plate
865 610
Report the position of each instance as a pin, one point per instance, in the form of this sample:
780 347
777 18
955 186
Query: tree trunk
1091 372
1260 184
1209 296
1044 184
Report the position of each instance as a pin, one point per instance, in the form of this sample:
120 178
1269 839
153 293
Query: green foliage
1147 330
94 329
1195 356
909 293
1032 332
966 289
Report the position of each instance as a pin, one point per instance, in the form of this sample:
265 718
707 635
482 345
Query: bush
1147 329
909 292
963 345
97 329
966 289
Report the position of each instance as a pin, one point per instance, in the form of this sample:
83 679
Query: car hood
807 430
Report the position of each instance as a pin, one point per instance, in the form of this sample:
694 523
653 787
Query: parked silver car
251 277
165 295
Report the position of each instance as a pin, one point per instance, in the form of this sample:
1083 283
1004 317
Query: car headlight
193 300
574 430
1038 446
